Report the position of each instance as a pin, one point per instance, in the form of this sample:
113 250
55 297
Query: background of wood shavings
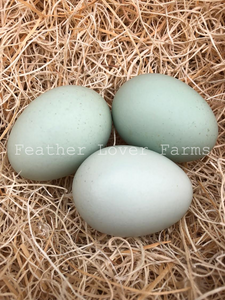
46 250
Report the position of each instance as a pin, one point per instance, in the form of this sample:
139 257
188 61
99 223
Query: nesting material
46 250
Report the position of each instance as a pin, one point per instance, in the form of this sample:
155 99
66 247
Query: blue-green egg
165 115
57 131
130 191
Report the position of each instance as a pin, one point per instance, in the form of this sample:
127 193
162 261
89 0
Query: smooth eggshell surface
57 131
130 191
165 115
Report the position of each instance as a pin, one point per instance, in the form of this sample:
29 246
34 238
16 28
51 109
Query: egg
130 191
165 115
57 131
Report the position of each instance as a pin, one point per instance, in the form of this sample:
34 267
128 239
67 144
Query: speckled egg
165 115
57 131
130 191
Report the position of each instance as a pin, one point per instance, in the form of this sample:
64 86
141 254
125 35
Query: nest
46 250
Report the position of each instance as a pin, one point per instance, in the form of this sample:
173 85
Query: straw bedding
46 250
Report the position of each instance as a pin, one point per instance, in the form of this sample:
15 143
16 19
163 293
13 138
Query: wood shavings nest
46 250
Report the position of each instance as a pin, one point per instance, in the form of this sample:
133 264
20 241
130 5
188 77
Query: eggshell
165 115
57 131
130 191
